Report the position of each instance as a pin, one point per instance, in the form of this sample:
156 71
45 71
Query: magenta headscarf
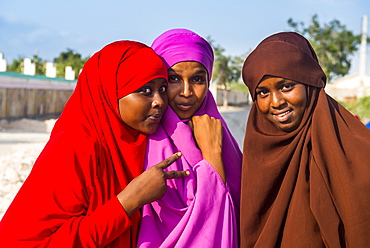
180 45
199 210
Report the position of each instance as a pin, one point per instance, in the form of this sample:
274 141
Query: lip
155 117
283 116
184 106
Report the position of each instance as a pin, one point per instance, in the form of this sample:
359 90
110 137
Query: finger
190 124
176 174
168 161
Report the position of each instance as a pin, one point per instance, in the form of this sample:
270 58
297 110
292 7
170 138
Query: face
143 109
282 102
187 87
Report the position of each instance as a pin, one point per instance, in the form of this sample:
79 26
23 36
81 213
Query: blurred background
44 45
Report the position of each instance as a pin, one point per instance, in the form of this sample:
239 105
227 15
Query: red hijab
110 74
309 187
69 198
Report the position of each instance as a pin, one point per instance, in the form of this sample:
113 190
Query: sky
50 27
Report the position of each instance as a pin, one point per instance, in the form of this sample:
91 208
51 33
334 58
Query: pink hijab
199 210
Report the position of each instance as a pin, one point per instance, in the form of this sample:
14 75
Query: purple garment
198 210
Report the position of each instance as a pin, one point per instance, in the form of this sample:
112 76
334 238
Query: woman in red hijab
306 164
81 191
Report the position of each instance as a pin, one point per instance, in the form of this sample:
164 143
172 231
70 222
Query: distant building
2 63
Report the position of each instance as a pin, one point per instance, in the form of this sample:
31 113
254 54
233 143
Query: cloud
20 39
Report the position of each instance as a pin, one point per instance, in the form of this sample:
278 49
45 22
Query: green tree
39 64
69 58
16 65
333 43
226 69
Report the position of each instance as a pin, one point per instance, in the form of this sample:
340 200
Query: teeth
284 113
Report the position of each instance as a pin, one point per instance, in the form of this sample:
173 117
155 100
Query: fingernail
179 154
187 173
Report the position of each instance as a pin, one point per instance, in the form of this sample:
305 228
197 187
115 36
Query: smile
283 116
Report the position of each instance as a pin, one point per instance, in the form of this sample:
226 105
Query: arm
55 206
208 136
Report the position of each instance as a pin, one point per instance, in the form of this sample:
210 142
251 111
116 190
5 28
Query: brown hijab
309 187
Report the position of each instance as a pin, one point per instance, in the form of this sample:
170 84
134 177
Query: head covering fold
306 187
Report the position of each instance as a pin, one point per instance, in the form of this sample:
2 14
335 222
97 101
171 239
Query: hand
149 186
207 133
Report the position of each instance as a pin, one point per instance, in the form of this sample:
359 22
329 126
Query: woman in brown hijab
306 164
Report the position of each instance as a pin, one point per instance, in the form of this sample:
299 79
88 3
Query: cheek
172 91
300 99
262 105
200 91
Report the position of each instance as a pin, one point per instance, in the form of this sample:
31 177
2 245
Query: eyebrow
201 71
281 81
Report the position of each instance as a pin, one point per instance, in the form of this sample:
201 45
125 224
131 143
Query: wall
234 97
32 96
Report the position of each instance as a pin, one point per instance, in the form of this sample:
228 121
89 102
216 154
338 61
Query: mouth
184 106
155 117
283 116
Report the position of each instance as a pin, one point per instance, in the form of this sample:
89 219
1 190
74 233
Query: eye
145 90
173 79
262 92
288 86
163 89
199 80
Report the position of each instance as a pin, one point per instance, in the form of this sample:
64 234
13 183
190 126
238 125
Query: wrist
129 204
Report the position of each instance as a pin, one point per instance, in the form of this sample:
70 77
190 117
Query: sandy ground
22 141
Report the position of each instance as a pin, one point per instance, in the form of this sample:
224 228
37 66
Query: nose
186 89
158 101
277 99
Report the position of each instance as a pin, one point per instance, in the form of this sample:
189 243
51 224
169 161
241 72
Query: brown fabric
309 187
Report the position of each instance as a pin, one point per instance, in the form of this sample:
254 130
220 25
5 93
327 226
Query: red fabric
69 198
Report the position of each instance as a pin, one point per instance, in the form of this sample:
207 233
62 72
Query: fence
32 96
234 98
36 96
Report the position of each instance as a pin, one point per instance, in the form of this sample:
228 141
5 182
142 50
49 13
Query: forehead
156 81
270 81
188 66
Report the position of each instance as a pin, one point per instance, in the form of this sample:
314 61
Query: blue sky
50 27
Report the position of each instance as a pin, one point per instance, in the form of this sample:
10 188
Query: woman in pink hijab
201 210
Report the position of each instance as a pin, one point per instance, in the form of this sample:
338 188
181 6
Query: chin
150 130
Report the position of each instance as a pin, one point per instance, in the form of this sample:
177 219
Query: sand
21 142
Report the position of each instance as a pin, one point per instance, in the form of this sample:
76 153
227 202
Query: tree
39 64
226 69
16 65
333 43
69 58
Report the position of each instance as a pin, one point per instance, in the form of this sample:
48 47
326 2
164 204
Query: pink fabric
199 210
179 45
